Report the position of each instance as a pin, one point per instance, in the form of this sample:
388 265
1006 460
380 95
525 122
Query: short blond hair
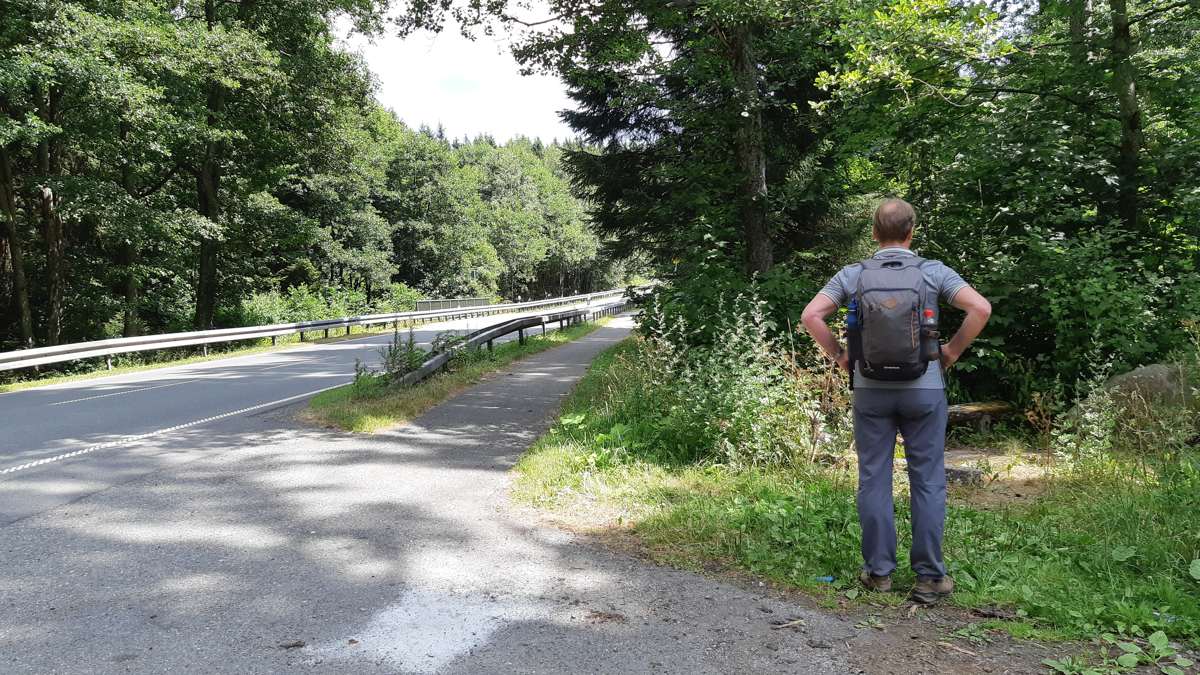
894 221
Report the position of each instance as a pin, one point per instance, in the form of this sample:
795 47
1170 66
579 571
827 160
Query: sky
470 87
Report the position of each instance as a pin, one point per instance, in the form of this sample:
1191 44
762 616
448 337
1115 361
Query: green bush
740 400
305 304
397 298
263 309
308 303
1067 308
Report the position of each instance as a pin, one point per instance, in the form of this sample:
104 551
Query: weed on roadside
1125 653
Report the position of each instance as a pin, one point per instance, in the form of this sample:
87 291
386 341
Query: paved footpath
293 549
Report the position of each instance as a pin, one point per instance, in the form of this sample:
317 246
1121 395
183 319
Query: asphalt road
62 442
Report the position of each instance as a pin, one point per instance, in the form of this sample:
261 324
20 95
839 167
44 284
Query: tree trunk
751 155
132 325
6 294
1125 86
130 285
49 155
208 192
1080 31
52 232
207 187
15 248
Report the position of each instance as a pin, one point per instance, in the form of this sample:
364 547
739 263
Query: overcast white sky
470 87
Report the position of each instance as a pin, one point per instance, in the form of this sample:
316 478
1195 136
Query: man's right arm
820 308
978 311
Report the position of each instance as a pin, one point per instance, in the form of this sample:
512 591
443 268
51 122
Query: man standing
908 397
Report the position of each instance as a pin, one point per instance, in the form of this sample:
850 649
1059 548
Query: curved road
62 442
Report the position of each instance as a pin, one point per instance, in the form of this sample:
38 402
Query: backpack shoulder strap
925 288
862 267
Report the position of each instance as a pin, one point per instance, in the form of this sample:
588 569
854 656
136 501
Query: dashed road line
121 393
126 440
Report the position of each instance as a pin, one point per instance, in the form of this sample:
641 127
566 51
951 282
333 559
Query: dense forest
162 164
1051 149
173 165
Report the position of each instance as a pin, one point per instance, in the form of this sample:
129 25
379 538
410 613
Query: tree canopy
166 165
1051 150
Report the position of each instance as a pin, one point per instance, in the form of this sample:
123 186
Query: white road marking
126 440
121 393
282 365
426 630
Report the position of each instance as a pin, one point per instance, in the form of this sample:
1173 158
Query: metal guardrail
450 303
27 358
486 335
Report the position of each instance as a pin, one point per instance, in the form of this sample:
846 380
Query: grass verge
91 369
378 406
1112 546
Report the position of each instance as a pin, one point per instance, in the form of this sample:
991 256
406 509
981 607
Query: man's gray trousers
920 417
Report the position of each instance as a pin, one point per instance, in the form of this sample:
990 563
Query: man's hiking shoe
874 583
929 590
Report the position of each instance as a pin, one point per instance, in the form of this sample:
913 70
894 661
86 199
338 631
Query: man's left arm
978 311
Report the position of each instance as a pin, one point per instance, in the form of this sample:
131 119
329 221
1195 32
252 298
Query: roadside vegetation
374 401
734 455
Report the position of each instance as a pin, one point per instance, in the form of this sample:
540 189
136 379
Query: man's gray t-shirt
941 280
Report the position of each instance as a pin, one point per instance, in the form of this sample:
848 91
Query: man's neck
889 247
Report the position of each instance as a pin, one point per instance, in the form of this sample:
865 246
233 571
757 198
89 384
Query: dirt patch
926 645
1006 478
597 616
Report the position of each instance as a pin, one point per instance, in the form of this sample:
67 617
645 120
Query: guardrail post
272 340
302 336
521 336
326 333
347 329
108 362
489 346
204 349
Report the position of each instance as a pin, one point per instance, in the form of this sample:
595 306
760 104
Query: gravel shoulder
296 549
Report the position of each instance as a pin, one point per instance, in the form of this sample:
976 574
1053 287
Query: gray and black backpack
892 330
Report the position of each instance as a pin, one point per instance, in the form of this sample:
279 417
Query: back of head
894 221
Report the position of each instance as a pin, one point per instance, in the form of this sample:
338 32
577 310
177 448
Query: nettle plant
741 399
401 356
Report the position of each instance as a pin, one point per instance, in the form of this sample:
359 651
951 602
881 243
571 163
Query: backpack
892 332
